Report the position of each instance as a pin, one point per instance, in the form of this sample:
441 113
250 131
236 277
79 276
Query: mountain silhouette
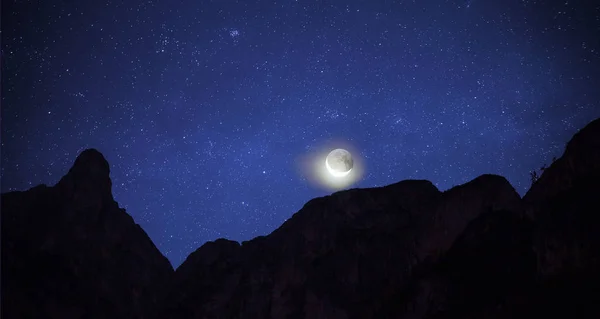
406 250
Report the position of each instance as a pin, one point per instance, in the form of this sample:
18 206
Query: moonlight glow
324 174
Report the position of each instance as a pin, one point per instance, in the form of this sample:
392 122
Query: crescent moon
334 173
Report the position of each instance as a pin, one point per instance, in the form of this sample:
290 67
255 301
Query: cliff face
342 256
69 251
406 250
540 264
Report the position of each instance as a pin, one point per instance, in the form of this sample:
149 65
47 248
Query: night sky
212 114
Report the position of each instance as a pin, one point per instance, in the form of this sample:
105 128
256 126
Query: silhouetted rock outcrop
406 250
69 251
580 160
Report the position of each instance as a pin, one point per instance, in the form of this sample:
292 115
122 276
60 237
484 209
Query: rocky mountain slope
69 251
406 250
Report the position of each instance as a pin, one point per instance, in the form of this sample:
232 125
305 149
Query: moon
332 165
339 162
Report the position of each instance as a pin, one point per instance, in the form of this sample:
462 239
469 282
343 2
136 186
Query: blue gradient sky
205 109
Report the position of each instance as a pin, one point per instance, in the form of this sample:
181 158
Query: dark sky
210 112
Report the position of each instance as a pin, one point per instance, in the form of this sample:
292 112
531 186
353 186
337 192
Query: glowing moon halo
316 170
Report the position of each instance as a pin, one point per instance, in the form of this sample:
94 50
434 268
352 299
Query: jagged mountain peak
406 250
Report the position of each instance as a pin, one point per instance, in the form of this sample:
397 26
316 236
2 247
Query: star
207 114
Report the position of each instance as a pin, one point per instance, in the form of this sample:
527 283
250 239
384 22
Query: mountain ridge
405 250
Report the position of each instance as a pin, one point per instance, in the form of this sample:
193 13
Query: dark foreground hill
406 250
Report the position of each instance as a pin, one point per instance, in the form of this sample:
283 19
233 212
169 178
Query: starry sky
204 108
